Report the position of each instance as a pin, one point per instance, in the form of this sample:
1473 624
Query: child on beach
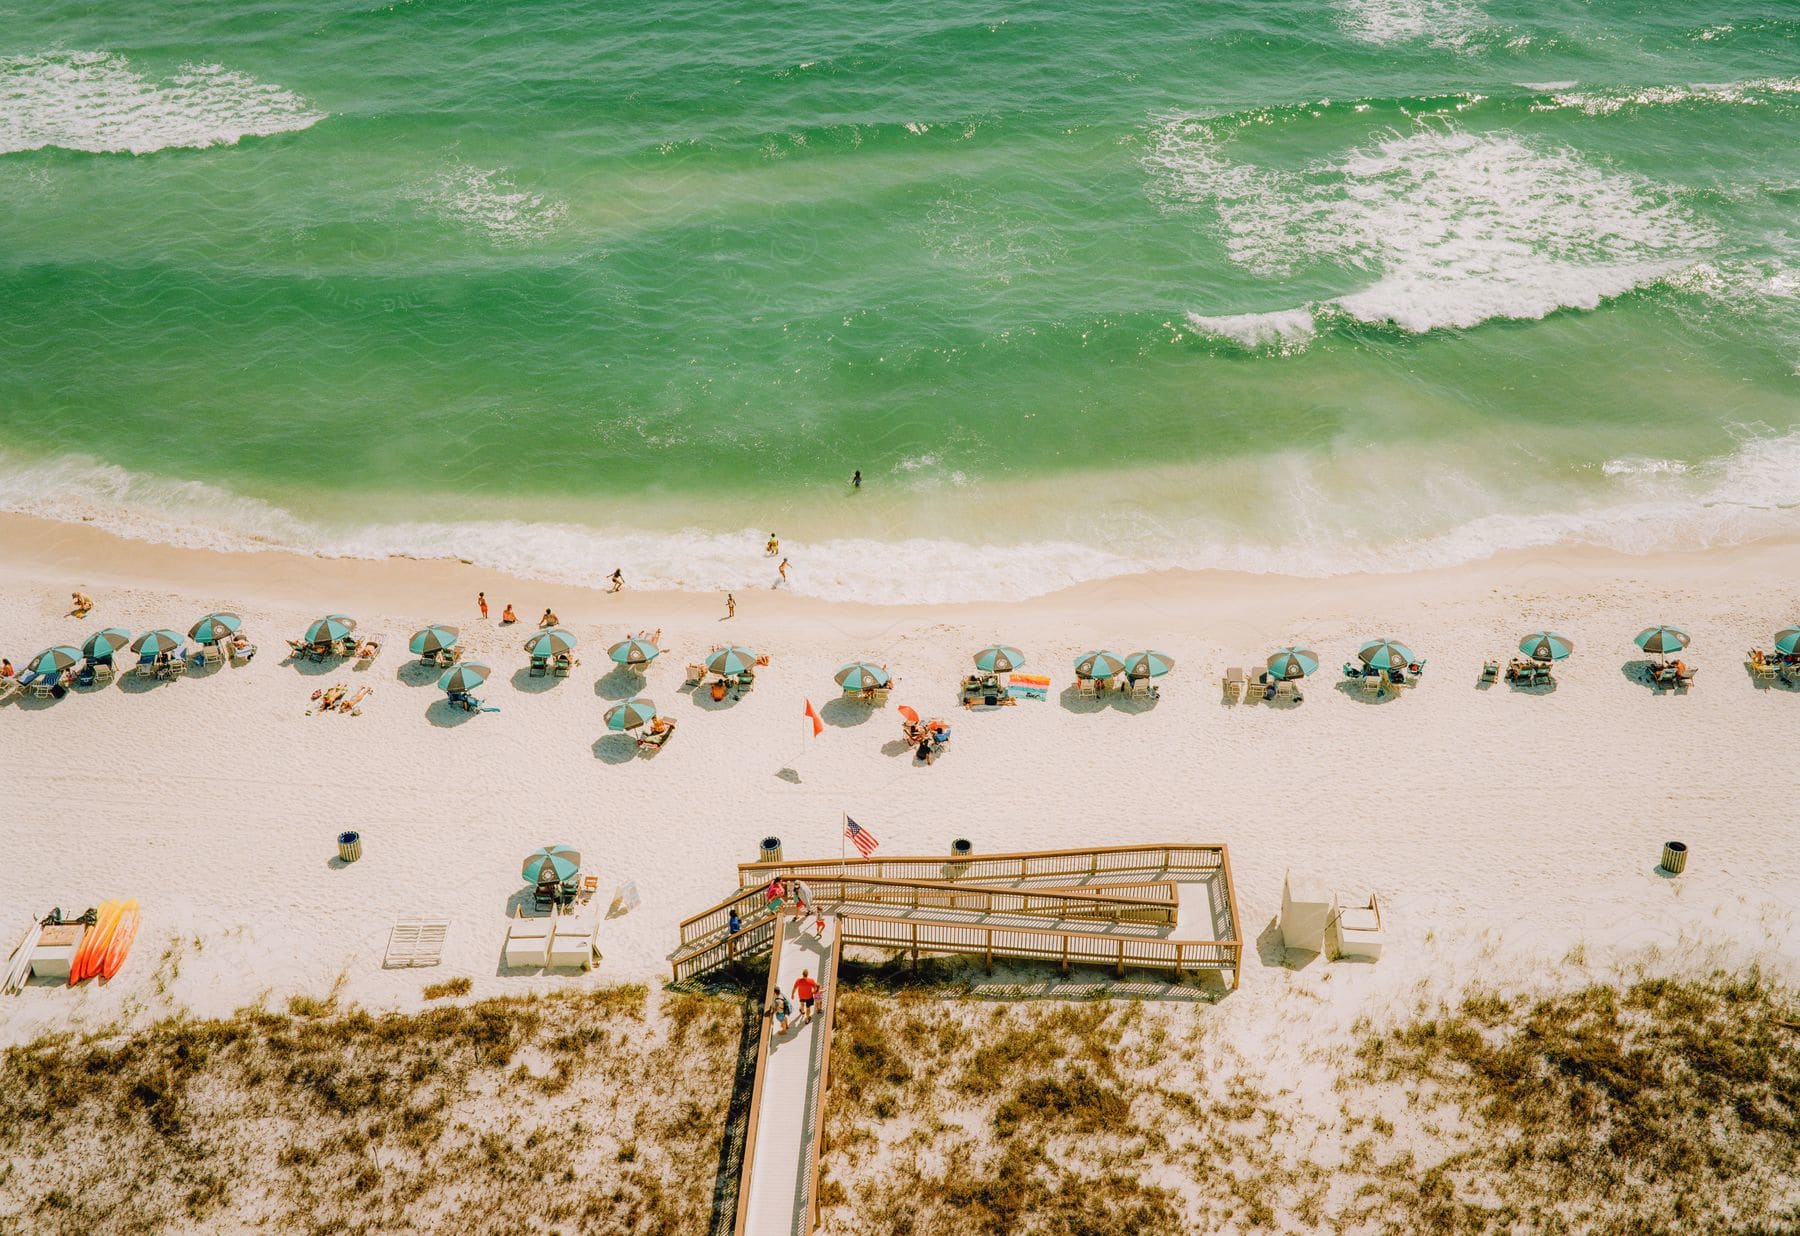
730 606
481 600
819 922
780 1009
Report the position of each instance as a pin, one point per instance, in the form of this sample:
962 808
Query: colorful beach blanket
1028 686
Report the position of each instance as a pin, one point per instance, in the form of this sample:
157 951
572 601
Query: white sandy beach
1510 834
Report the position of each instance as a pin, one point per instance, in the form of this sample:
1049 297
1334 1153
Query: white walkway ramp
780 1151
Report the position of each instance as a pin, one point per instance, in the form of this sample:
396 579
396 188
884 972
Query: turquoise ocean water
1310 286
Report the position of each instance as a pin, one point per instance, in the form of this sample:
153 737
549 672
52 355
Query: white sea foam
1317 524
1754 93
1281 330
1455 228
487 200
1443 23
95 101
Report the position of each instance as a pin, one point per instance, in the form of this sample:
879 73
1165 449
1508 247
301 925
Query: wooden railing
1084 864
722 951
1145 903
1062 945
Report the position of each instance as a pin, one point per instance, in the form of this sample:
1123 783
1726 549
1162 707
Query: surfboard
94 945
19 968
121 941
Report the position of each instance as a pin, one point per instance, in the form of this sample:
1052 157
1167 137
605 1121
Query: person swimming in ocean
856 479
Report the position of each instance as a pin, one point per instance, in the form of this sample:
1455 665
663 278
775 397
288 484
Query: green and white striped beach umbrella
1787 641
630 715
552 862
861 676
155 643
1148 664
999 659
552 643
1660 640
1290 663
732 660
432 639
1098 664
53 661
215 627
108 643
464 677
1545 646
330 629
634 651
1385 654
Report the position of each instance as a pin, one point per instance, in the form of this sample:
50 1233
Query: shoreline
91 557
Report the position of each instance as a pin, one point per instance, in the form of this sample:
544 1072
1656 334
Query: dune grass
579 1112
1664 1105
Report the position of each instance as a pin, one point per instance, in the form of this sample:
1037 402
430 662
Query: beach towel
1028 686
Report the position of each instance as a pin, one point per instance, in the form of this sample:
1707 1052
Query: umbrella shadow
896 747
527 683
1073 700
615 748
702 697
1133 705
306 665
619 683
30 702
1546 687
1353 689
843 712
204 669
445 716
1640 673
134 683
1780 682
415 673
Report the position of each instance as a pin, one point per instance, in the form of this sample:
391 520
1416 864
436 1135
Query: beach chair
1684 678
879 696
539 666
415 942
209 654
696 674
561 666
42 686
746 682
241 656
1490 671
103 673
368 650
654 742
1236 684
1357 930
9 687
1760 665
572 944
1371 684
1087 689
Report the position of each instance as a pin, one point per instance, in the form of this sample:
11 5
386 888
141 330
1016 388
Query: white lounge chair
1087 689
572 943
527 941
416 942
1237 684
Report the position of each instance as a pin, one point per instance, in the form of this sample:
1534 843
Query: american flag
860 837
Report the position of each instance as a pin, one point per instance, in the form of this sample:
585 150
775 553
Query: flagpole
843 831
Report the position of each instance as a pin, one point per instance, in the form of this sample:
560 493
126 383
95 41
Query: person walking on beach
819 923
618 579
730 606
481 600
856 480
806 991
783 570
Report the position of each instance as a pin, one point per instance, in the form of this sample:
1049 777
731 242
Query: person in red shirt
806 992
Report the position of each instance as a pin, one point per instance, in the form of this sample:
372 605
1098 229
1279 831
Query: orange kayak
120 947
95 943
